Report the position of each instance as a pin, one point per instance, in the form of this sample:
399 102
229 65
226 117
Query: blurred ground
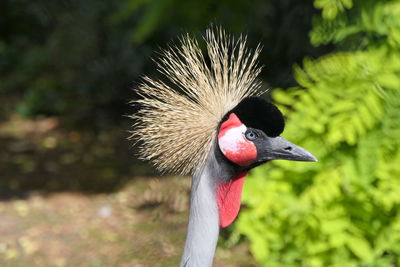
78 198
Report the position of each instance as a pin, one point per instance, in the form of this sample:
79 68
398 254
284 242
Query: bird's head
248 136
221 143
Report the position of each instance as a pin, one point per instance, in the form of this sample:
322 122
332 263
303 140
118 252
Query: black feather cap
256 112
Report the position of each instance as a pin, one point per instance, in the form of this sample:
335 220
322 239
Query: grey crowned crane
208 120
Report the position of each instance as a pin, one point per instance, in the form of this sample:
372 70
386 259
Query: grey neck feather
203 228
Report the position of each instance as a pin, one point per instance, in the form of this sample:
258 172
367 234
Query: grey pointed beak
280 148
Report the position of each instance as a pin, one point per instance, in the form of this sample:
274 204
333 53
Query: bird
205 116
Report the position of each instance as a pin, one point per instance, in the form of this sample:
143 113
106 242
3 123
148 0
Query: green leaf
361 248
389 80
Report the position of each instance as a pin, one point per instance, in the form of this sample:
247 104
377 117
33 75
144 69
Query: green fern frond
345 209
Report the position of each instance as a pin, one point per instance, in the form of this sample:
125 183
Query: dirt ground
78 198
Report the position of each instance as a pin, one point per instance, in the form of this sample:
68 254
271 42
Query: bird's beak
280 148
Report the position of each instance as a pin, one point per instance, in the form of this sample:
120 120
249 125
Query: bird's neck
203 227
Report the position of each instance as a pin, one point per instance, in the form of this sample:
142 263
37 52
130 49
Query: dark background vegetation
81 58
79 62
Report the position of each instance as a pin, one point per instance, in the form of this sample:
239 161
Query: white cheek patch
231 141
234 145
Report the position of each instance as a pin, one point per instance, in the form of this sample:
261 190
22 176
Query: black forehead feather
258 113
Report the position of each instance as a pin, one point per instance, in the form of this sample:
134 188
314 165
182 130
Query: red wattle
229 195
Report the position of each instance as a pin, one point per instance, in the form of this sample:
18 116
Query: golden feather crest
176 125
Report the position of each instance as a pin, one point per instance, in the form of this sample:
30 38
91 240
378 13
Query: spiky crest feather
176 125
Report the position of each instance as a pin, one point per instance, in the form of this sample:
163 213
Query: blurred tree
81 57
66 57
345 209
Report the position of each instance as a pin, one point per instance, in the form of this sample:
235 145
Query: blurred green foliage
345 209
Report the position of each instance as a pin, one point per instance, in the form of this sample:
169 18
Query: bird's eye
250 135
